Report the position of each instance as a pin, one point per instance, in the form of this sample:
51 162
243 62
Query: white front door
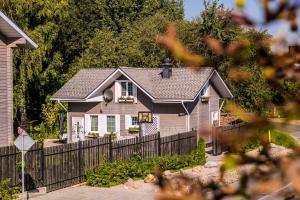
77 128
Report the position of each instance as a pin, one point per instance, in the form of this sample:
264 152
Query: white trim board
18 30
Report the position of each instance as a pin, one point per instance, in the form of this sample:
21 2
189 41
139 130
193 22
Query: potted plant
134 130
205 99
92 135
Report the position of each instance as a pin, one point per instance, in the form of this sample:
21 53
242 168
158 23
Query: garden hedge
118 172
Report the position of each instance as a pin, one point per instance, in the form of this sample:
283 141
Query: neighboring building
11 37
179 100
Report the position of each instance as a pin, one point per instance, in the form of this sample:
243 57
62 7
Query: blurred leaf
240 3
172 43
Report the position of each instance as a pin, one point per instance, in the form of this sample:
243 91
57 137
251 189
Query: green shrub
7 192
118 172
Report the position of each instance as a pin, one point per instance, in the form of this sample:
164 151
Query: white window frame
127 81
134 125
107 123
97 123
128 121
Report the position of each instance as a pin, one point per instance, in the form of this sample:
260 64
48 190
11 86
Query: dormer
125 91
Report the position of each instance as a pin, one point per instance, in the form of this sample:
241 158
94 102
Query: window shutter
127 121
118 91
87 124
118 128
134 91
102 124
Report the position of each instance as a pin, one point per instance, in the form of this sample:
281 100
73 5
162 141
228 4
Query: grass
277 137
283 139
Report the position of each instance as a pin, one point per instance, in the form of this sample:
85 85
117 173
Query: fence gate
217 141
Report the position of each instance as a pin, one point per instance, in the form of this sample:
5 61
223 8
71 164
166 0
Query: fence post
214 141
42 167
110 149
158 144
79 159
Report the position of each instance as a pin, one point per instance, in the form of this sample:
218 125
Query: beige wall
200 117
6 95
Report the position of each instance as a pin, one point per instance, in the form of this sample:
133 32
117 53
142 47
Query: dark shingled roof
184 83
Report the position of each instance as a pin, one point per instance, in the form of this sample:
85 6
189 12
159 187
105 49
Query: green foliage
277 137
50 110
134 48
133 130
199 154
118 172
88 17
7 192
283 139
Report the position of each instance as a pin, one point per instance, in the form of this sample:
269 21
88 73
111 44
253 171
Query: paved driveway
143 191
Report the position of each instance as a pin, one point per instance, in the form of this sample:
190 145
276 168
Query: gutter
188 116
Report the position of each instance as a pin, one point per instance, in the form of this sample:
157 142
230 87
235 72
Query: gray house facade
104 101
11 37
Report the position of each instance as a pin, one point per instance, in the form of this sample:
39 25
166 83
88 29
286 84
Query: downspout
188 116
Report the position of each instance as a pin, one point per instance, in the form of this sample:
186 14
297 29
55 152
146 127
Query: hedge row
115 173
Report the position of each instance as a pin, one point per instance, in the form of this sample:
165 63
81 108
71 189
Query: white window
134 121
127 88
111 124
94 123
125 91
131 121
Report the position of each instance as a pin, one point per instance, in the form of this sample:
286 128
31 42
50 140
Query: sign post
23 143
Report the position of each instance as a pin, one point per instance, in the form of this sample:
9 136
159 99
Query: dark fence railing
64 165
221 134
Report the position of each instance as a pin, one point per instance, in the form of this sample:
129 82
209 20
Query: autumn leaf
172 43
240 3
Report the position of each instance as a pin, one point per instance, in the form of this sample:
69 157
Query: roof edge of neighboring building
29 42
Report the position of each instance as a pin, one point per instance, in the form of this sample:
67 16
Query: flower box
134 130
204 99
126 99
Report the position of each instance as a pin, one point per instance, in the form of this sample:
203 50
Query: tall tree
36 72
89 16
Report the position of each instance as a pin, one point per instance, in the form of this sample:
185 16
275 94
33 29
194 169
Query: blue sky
193 9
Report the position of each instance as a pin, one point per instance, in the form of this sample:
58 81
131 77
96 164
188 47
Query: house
169 100
11 37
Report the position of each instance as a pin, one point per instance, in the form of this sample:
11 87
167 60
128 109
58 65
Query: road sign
23 143
27 143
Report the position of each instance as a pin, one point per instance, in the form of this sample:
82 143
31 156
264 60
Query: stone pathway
121 192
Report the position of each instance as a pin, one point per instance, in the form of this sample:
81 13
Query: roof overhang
214 77
14 34
220 85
